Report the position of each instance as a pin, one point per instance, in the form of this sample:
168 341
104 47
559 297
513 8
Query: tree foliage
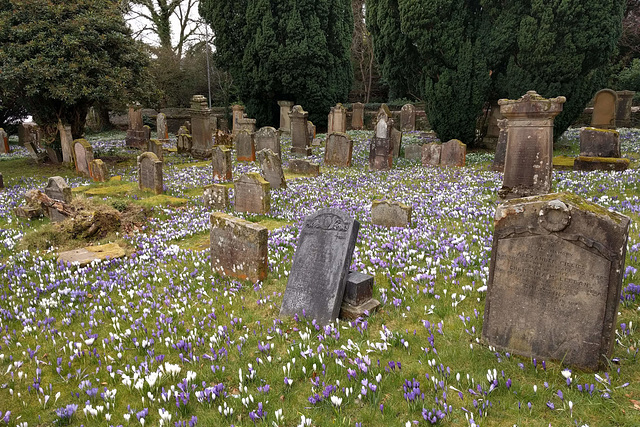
59 58
296 50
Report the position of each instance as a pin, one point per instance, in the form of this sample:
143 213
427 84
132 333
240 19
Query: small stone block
390 214
304 167
216 196
351 312
28 212
584 163
86 255
359 288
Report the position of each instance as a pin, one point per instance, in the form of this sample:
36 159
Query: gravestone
390 214
408 117
155 147
58 190
162 130
184 140
223 138
247 124
413 152
320 266
300 142
311 131
396 138
201 136
381 145
237 113
338 150
66 142
604 109
213 124
490 139
599 142
245 146
1 181
136 134
357 118
337 119
358 296
268 137
4 142
150 173
98 170
238 247
86 256
304 167
221 163
529 161
187 124
501 147
252 194
431 154
623 108
83 155
453 153
588 163
28 132
285 120
555 277
271 168
216 196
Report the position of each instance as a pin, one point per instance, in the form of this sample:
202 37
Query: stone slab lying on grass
86 255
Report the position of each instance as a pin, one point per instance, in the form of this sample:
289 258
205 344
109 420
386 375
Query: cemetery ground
154 338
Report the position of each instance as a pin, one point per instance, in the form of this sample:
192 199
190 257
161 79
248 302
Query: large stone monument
381 145
300 141
285 120
528 164
604 109
150 173
201 136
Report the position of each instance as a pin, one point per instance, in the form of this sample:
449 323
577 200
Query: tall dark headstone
501 146
201 135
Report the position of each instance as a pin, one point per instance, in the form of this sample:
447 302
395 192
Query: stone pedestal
285 121
237 114
337 119
528 164
300 141
623 109
201 136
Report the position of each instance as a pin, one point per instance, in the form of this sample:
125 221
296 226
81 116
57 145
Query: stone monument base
584 163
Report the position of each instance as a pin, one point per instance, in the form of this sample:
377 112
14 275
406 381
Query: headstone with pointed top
83 155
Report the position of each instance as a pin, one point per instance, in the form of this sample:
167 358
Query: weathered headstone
237 113
83 155
431 154
529 161
604 109
381 145
357 118
338 150
66 142
390 214
501 146
155 147
98 170
337 119
358 297
184 140
4 142
555 278
247 124
28 132
623 108
587 163
490 140
311 132
216 196
271 168
304 167
221 163
599 142
150 173
396 137
245 146
268 137
223 138
413 152
85 256
318 275
201 136
300 142
252 194
136 134
162 130
58 190
285 121
408 117
454 153
238 247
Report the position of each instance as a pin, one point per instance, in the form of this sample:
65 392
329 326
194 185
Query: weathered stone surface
352 312
98 170
604 109
359 288
555 277
237 113
155 147
216 196
453 153
338 150
184 140
4 142
252 194
528 164
162 130
271 168
431 154
66 143
490 140
396 137
58 189
357 118
225 139
28 212
304 167
623 108
247 124
501 146
337 119
413 152
221 163
238 248
318 275
136 134
201 135
381 146
83 155
150 173
268 137
599 142
1 181
311 131
390 214
585 163
285 121
52 154
300 141
89 254
245 146
408 117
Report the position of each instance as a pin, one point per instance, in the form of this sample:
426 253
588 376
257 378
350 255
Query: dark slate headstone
358 300
150 173
271 168
339 150
245 147
555 278
221 163
320 266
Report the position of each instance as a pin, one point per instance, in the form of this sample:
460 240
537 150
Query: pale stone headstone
83 155
453 153
162 130
268 137
58 190
245 146
501 146
184 140
413 152
318 275
300 140
136 134
357 118
381 145
271 168
237 114
390 214
337 119
304 167
529 161
604 109
155 147
252 194
431 154
285 121
623 108
98 170
66 142
221 163
201 136
408 117
238 248
150 173
599 142
338 150
216 196
555 278
4 142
